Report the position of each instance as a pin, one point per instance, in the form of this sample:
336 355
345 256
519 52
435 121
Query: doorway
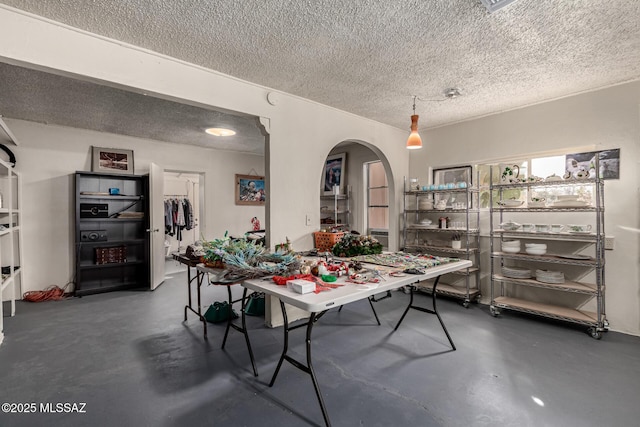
183 205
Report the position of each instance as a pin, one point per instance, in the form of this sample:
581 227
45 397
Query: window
547 166
540 167
377 197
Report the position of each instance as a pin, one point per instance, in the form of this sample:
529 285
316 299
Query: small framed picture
445 176
452 178
112 160
335 168
250 190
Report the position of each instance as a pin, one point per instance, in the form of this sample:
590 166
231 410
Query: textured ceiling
368 56
48 98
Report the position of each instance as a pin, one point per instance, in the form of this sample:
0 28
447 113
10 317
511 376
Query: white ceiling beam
6 129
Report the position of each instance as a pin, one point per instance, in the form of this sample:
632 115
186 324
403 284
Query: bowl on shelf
510 250
511 246
510 226
543 228
536 245
536 251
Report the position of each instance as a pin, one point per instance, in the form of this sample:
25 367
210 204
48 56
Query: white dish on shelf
516 272
510 203
547 276
537 204
424 226
510 226
535 245
553 178
567 197
536 251
511 250
570 204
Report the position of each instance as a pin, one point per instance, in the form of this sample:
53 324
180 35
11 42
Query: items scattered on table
403 260
320 284
247 258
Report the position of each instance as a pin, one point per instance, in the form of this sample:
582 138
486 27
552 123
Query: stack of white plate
516 272
547 276
425 204
535 248
569 201
511 246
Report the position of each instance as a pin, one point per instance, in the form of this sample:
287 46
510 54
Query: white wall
301 135
604 119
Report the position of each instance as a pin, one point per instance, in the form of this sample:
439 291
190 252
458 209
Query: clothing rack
177 197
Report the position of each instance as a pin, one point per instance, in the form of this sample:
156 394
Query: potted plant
456 242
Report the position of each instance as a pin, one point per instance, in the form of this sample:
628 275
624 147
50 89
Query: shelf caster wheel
465 303
595 334
494 311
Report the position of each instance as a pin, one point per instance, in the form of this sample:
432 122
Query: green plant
355 244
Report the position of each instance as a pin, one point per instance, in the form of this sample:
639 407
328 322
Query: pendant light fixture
414 142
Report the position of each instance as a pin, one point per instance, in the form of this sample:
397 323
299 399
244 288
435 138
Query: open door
156 229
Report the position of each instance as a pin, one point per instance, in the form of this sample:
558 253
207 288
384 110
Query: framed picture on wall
250 190
112 160
335 168
449 178
456 175
609 161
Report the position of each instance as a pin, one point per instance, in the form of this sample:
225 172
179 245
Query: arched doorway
358 199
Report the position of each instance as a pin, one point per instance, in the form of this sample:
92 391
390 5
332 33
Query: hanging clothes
168 218
188 215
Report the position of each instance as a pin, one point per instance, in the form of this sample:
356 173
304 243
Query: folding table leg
309 366
242 329
426 310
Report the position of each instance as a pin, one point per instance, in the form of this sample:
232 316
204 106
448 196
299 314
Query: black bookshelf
111 240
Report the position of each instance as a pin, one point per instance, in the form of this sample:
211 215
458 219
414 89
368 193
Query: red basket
326 241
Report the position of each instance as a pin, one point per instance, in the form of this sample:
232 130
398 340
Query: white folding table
318 304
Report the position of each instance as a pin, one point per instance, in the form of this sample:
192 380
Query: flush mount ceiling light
414 142
494 5
452 92
220 132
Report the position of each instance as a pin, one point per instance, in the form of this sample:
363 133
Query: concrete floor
134 362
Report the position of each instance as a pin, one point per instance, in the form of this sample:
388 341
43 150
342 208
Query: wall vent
494 5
